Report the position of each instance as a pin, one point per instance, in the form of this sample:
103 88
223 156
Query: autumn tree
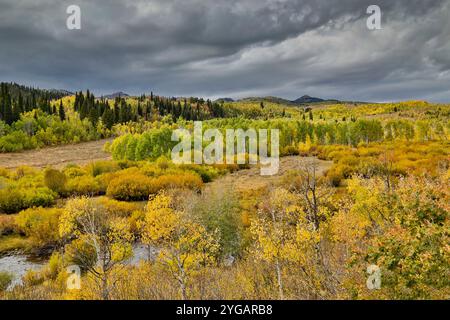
314 191
99 242
274 232
184 246
404 233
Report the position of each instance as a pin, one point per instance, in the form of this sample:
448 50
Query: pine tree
108 117
93 115
62 113
7 108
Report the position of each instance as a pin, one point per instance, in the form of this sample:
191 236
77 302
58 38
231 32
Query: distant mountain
307 99
15 90
116 95
59 92
267 99
300 101
224 100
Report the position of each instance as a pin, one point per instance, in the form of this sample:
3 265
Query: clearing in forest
57 157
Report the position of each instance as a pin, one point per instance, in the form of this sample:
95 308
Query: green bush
13 200
16 141
39 197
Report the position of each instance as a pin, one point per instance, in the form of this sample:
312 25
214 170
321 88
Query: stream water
18 265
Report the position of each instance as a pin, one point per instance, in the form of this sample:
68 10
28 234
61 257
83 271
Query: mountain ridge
305 99
119 94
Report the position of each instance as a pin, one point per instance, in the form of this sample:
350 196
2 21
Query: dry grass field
250 179
57 157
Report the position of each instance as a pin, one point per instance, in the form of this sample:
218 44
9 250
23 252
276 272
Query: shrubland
384 201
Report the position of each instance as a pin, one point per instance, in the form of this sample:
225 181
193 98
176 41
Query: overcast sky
231 48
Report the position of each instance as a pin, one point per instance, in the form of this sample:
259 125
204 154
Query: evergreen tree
108 118
93 115
61 112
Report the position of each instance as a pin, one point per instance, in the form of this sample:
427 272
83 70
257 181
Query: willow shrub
40 225
13 200
137 187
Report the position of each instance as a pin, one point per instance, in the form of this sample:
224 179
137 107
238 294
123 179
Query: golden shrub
130 187
4 172
74 171
136 186
7 224
55 180
185 180
99 167
40 224
83 185
118 208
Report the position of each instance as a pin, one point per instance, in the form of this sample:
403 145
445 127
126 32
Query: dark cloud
231 48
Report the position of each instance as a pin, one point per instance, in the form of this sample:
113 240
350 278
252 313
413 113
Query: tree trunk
105 290
280 281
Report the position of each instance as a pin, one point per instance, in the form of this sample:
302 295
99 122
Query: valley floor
57 157
250 179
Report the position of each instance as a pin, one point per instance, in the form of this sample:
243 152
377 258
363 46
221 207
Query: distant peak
307 99
116 95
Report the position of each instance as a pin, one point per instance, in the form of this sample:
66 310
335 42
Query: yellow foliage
118 208
40 224
83 185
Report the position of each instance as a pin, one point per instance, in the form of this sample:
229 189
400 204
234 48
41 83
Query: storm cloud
230 48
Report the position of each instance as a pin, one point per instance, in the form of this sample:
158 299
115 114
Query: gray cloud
231 48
